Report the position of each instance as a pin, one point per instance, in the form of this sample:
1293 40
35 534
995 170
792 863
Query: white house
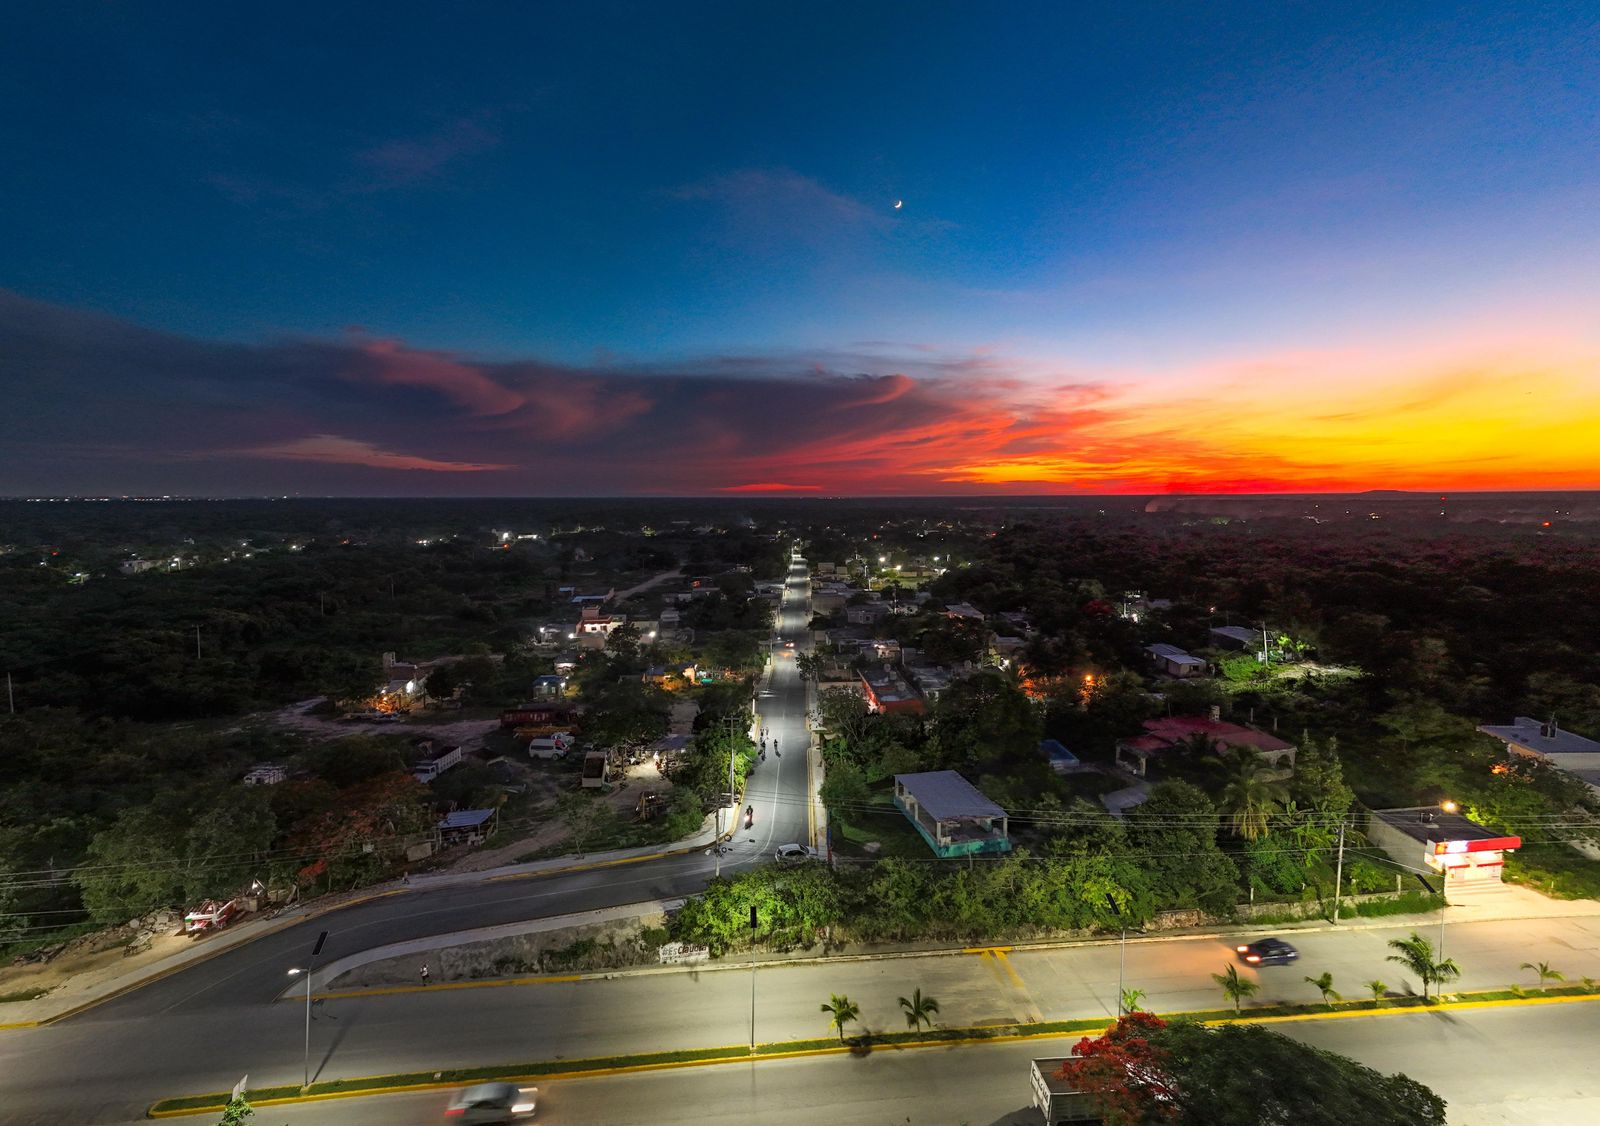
1546 742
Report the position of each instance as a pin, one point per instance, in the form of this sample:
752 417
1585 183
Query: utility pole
11 700
1338 874
752 981
197 643
1266 651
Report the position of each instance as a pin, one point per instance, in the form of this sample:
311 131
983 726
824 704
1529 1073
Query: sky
860 248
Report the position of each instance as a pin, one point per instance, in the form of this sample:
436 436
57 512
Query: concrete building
1546 742
1236 637
887 692
1167 736
1469 857
951 813
266 774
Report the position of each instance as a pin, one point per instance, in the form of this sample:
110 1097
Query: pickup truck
1057 1100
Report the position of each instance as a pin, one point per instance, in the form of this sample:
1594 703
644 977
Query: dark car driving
492 1102
1267 952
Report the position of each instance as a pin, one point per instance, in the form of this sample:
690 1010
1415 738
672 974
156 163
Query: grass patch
1554 869
544 1068
24 994
1410 903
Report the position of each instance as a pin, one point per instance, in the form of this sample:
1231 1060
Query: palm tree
1234 987
1545 972
1249 797
1324 984
1130 1000
1416 954
919 1010
844 1011
1380 989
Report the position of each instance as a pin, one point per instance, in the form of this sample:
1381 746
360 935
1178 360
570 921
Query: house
552 687
1164 735
1235 637
1174 662
951 814
867 613
1061 760
964 611
135 566
436 759
1470 857
1546 742
467 826
887 692
266 774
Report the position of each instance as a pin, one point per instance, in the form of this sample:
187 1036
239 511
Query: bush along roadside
571 1069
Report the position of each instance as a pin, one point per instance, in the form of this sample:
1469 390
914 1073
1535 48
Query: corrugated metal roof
945 794
465 818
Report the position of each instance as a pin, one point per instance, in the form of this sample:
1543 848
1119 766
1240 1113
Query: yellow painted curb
21 1024
1441 1007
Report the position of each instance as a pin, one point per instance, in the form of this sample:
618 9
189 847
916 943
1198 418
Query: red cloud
394 364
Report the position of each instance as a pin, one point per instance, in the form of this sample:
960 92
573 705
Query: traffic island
548 1070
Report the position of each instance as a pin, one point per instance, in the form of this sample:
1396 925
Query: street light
306 969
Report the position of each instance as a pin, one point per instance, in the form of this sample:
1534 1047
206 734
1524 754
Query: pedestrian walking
424 975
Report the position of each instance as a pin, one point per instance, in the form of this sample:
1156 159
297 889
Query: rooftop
1238 633
1429 823
1171 729
1546 738
945 795
465 818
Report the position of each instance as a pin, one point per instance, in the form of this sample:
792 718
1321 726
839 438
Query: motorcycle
749 816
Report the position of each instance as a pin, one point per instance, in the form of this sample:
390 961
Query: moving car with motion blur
493 1102
1267 952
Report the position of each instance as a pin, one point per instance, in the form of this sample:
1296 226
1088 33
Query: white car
792 854
493 1103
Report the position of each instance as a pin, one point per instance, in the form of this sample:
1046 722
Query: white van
551 746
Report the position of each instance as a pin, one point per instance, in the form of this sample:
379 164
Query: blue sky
1132 198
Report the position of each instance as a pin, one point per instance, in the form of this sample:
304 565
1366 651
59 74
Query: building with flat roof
1235 637
1546 742
951 813
887 692
1467 855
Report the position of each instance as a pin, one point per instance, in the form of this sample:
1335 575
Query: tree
1318 782
1124 1072
236 1112
1249 797
1379 988
842 1010
1545 972
1173 835
1324 984
1234 987
1244 1075
582 815
1417 955
844 791
919 1010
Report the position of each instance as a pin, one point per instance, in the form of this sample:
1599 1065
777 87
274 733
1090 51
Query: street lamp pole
306 1061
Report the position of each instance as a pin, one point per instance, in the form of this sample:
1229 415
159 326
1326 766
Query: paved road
1501 1067
211 1018
113 1066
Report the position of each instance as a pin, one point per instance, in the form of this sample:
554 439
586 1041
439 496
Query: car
493 1102
788 645
792 854
1267 952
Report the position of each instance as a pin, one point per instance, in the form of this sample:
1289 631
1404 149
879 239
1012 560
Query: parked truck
1056 1099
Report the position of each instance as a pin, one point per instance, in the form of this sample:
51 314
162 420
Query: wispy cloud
406 160
330 449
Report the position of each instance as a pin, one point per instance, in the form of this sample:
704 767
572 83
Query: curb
741 1054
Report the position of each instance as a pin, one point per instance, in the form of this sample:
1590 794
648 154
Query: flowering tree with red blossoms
1124 1072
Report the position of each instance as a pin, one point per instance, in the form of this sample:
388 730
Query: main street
1498 1067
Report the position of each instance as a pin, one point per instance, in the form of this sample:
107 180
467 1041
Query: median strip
596 1067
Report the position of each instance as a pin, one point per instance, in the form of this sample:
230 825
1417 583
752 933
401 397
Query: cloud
331 449
406 160
100 405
